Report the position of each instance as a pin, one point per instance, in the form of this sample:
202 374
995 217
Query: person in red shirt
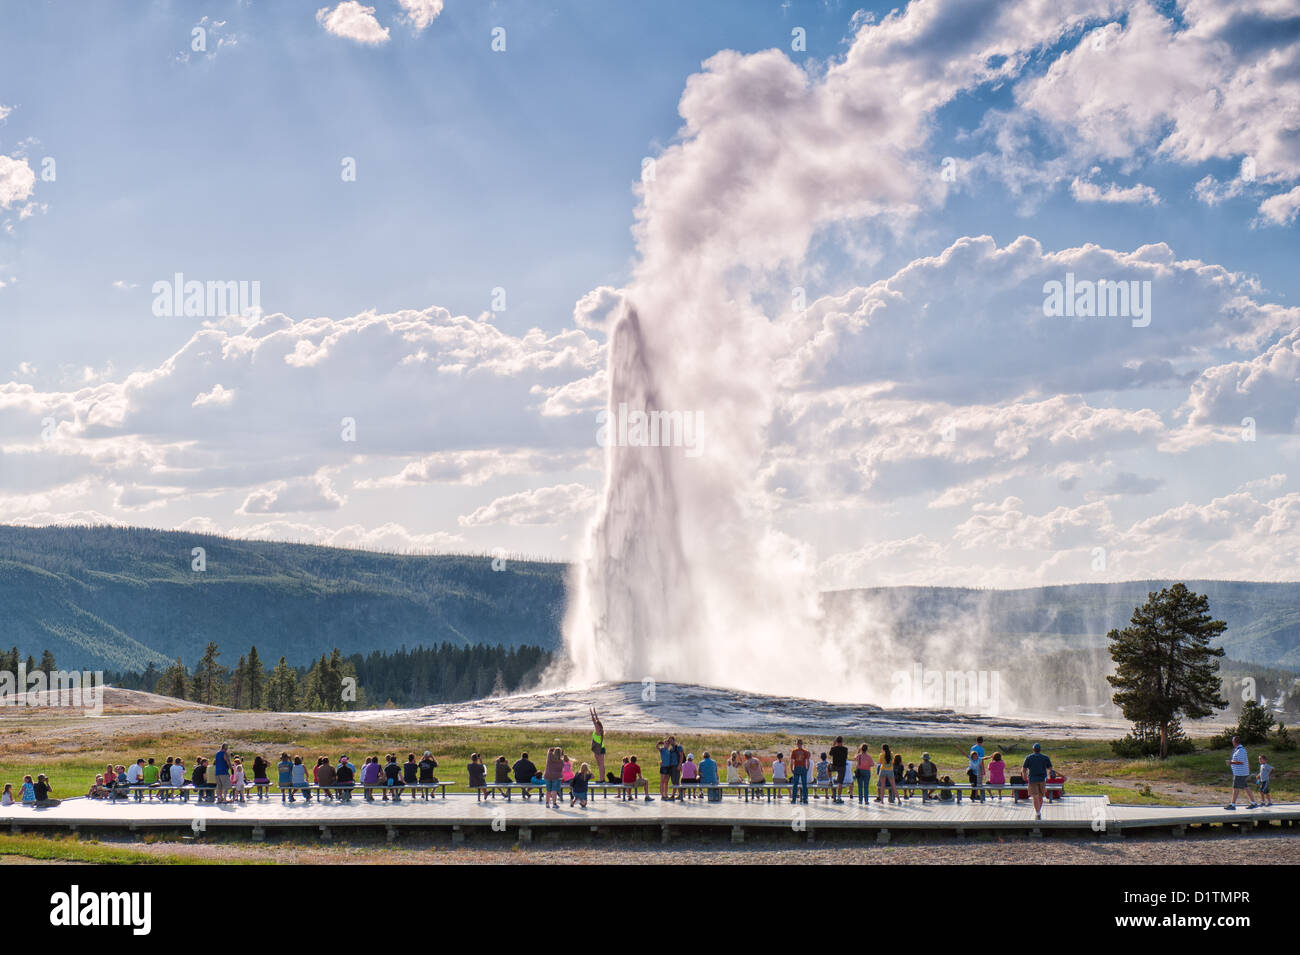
800 763
632 777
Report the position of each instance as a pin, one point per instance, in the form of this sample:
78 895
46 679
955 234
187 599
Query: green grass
1090 765
65 848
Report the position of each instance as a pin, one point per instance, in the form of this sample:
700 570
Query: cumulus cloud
1085 190
421 13
17 181
301 494
545 505
353 21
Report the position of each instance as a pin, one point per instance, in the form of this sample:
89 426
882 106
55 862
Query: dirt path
1195 849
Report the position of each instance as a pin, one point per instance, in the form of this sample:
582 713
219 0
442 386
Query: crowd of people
229 777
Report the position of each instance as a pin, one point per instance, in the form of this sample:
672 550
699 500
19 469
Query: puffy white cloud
544 505
1221 81
1085 190
1265 388
1282 208
248 405
17 181
421 13
315 493
353 21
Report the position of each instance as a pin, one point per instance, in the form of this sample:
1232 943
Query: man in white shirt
1239 763
135 777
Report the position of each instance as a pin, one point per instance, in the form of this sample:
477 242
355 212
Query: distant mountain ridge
117 598
1263 618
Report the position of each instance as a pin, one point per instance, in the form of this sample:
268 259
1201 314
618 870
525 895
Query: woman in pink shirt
862 772
997 771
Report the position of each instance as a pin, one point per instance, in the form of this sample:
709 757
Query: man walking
1239 763
1035 769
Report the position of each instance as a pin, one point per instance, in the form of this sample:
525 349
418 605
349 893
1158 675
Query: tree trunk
1164 740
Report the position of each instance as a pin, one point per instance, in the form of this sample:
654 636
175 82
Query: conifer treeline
442 674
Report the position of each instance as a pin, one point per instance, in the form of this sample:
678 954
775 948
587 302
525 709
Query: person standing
975 773
800 763
665 767
885 774
1239 763
1035 768
221 769
839 766
862 772
675 767
709 778
598 742
1262 778
554 776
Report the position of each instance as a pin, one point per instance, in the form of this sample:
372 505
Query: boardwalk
460 813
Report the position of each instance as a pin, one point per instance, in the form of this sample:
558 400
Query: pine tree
209 677
238 679
1165 668
255 678
282 687
174 682
47 662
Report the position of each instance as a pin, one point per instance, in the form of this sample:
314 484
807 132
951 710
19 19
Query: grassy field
1089 765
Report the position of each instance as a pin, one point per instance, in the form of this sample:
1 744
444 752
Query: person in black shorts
839 766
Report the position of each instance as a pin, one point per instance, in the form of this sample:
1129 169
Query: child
567 773
502 773
975 773
7 798
29 792
1262 777
823 773
237 780
945 795
910 778
477 777
578 786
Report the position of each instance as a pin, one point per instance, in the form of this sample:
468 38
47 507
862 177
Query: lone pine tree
1165 668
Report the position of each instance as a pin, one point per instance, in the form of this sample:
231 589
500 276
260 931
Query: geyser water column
685 576
683 581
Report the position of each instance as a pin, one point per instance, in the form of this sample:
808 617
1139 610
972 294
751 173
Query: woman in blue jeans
862 772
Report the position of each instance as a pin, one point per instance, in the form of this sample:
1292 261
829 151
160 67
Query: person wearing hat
927 772
1035 769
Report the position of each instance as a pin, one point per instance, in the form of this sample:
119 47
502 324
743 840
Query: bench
342 792
971 788
593 787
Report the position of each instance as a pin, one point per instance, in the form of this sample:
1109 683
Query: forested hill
117 598
1263 618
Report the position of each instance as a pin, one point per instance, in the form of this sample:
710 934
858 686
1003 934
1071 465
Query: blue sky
518 169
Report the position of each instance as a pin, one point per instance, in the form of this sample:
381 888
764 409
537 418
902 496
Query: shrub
1144 740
